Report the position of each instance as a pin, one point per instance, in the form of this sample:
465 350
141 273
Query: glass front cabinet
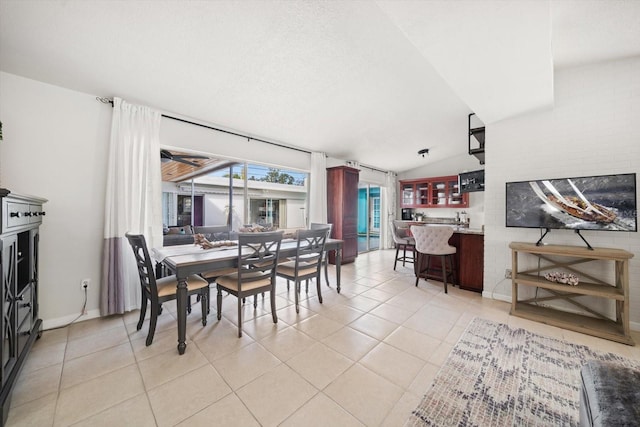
437 192
407 192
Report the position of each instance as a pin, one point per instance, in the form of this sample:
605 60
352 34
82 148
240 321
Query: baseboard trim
634 326
66 320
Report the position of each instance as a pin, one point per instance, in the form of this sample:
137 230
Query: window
268 196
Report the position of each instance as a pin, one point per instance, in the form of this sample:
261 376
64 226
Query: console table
20 219
569 259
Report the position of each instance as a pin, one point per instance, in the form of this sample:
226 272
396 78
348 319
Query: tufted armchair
434 240
404 241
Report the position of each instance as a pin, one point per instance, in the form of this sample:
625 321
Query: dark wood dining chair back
256 271
158 291
308 261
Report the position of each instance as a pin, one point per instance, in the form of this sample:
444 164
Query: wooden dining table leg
181 300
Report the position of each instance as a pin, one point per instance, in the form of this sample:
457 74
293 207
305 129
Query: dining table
184 260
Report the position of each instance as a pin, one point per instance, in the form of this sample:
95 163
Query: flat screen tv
606 202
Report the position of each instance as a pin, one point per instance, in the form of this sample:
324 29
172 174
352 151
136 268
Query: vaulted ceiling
372 81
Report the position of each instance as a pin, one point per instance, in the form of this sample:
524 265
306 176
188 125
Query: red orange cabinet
438 192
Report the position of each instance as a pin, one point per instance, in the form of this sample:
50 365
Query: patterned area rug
499 376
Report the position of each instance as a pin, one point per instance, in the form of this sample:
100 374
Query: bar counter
469 244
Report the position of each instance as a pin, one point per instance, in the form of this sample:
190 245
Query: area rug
500 376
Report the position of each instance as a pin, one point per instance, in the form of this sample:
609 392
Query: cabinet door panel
8 261
422 194
407 192
471 263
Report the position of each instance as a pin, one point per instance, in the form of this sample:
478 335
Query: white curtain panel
389 210
318 189
133 202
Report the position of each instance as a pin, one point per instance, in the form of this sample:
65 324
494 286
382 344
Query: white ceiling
360 80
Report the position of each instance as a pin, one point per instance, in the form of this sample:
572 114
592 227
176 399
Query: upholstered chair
433 240
403 241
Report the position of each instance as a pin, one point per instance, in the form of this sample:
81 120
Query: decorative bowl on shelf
564 278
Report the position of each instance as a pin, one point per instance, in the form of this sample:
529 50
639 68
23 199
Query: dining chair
214 233
256 271
402 241
308 261
434 240
161 290
325 257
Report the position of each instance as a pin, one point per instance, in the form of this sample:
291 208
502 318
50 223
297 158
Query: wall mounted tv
606 202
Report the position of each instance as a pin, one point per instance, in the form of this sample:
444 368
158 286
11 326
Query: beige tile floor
363 357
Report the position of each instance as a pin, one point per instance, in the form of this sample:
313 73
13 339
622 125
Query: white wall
55 146
296 213
366 174
214 209
592 130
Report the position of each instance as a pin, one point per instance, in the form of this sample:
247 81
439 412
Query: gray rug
499 376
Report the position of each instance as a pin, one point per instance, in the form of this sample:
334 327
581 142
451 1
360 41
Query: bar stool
404 242
434 240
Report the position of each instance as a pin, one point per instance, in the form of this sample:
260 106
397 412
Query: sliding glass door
368 217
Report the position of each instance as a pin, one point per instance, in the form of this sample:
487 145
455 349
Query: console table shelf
568 258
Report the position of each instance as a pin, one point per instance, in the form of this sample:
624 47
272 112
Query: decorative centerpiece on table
560 277
256 229
286 234
204 243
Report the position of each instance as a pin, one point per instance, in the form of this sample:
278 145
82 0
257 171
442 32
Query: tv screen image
605 202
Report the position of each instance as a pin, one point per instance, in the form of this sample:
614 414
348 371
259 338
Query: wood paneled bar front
469 258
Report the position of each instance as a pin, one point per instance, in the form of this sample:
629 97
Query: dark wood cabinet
19 239
470 261
342 209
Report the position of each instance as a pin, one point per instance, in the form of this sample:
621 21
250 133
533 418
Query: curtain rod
372 168
110 101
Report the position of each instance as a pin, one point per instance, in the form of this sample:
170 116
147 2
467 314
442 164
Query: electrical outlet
84 284
507 273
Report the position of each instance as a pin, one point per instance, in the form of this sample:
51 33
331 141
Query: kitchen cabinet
342 210
437 192
21 217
